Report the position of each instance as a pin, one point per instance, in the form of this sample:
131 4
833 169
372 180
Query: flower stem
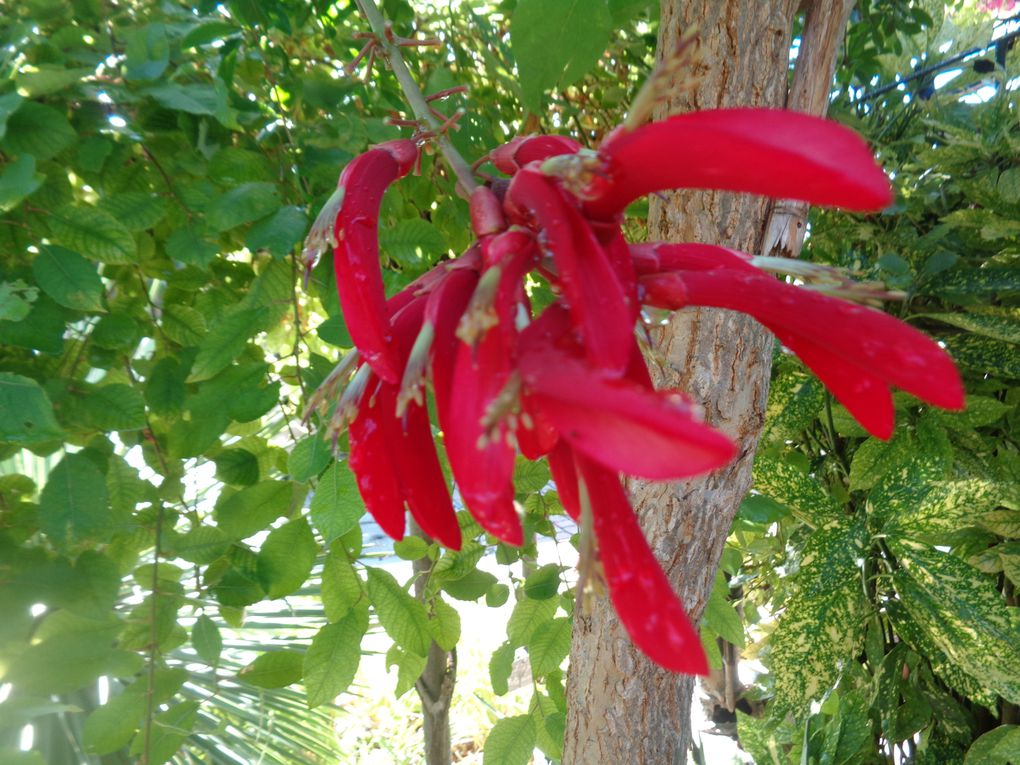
415 98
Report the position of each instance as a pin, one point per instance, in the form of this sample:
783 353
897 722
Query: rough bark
621 707
824 28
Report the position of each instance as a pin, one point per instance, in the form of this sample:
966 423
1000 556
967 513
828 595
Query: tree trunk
621 707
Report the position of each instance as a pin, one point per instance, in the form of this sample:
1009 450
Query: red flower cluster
570 384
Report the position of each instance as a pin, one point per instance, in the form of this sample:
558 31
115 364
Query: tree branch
415 98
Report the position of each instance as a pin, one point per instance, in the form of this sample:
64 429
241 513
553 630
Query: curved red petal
597 301
356 256
777 153
865 396
425 489
866 338
482 465
644 599
564 473
619 423
371 459
516 153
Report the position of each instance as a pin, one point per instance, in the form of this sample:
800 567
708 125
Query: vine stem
415 98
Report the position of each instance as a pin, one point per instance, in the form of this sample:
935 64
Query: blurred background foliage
184 573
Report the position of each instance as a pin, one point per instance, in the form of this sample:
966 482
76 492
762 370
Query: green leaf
9 103
193 99
341 587
720 615
970 282
624 10
286 558
403 617
444 624
308 458
18 757
786 484
206 639
186 246
136 210
1000 325
274 669
414 244
115 407
823 623
336 505
980 411
169 732
556 42
411 548
332 660
238 467
68 278
510 742
471 586
409 668
210 32
961 612
528 615
549 646
47 79
74 505
16 300
280 233
999 746
985 355
38 130
203 544
94 233
19 180
165 389
243 204
501 666
225 342
795 399
79 651
252 509
147 52
113 725
543 583
758 739
26 414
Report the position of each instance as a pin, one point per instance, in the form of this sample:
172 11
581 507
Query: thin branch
415 97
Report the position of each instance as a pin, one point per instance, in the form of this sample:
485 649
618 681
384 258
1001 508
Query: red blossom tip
777 153
643 597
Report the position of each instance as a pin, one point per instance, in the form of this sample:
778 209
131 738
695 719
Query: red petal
356 256
644 599
515 154
484 474
864 337
424 485
865 396
618 423
535 434
659 257
590 286
371 459
777 153
564 473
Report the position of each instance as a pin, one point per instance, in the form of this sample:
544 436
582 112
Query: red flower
570 383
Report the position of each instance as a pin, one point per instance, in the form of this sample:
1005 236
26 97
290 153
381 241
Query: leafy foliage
159 166
905 636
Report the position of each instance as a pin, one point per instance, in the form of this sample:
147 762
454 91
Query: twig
415 98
